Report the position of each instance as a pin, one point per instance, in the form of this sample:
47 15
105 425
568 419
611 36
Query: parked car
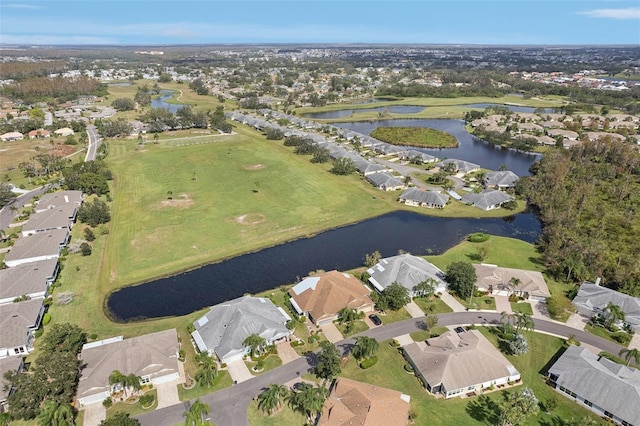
375 319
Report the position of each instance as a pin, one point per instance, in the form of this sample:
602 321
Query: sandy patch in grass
254 166
250 219
181 201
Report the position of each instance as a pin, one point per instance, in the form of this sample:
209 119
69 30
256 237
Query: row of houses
36 134
31 268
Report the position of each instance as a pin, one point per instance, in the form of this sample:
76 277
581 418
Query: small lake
395 109
161 102
470 148
342 249
512 108
121 84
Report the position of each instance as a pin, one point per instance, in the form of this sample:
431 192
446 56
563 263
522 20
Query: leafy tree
55 414
328 365
89 235
63 337
274 134
309 399
395 296
196 414
5 194
517 406
321 155
123 104
347 315
208 370
94 213
365 347
372 259
255 343
630 354
120 419
85 249
461 277
271 399
343 166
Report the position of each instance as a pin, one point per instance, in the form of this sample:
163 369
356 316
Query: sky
167 22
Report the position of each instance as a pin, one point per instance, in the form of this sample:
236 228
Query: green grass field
415 136
286 416
522 307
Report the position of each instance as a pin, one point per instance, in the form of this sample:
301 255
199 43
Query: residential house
356 403
488 199
455 364
507 281
40 246
11 136
501 179
52 200
566 134
594 136
417 197
31 279
64 131
18 324
321 297
460 167
386 181
223 330
39 134
607 388
592 299
14 363
62 217
413 155
408 271
152 357
367 168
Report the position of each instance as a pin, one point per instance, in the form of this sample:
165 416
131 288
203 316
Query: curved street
94 143
229 406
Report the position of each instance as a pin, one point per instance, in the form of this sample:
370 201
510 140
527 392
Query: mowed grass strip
178 207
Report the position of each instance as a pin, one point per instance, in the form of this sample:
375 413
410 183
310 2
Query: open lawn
133 409
270 362
415 136
435 306
422 335
606 334
286 416
358 327
390 316
522 307
222 381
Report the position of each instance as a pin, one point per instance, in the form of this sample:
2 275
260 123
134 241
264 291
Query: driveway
167 394
414 310
331 332
577 321
286 352
452 302
239 371
94 414
503 304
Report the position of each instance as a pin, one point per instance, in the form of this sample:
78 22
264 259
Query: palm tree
630 354
271 399
133 382
612 314
55 414
426 288
513 284
196 413
255 343
347 315
208 369
309 399
116 378
523 321
365 347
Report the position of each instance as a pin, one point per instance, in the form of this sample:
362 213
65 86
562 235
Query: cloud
628 13
20 6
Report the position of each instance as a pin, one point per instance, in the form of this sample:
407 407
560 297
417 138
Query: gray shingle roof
228 324
53 218
56 199
15 321
461 165
405 269
591 296
609 385
503 179
12 363
385 180
487 199
29 278
47 243
424 197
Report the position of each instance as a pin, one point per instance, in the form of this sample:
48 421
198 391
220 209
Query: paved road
229 406
7 214
94 143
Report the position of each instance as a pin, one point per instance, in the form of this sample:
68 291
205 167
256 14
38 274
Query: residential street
229 406
7 213
94 143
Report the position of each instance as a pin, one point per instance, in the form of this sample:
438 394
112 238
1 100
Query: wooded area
589 197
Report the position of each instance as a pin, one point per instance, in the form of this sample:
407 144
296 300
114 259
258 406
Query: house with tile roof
31 279
455 364
488 199
152 357
498 280
18 324
592 299
223 330
356 403
607 388
408 271
321 297
417 197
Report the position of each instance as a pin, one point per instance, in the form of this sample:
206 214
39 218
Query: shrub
147 399
557 306
46 318
478 237
518 345
38 333
621 337
108 402
85 249
93 336
408 368
89 235
368 363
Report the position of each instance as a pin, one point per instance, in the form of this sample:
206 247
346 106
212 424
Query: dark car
375 319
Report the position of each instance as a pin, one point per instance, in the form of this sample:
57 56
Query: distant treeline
21 70
60 88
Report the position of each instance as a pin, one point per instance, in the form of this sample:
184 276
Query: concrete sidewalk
452 302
